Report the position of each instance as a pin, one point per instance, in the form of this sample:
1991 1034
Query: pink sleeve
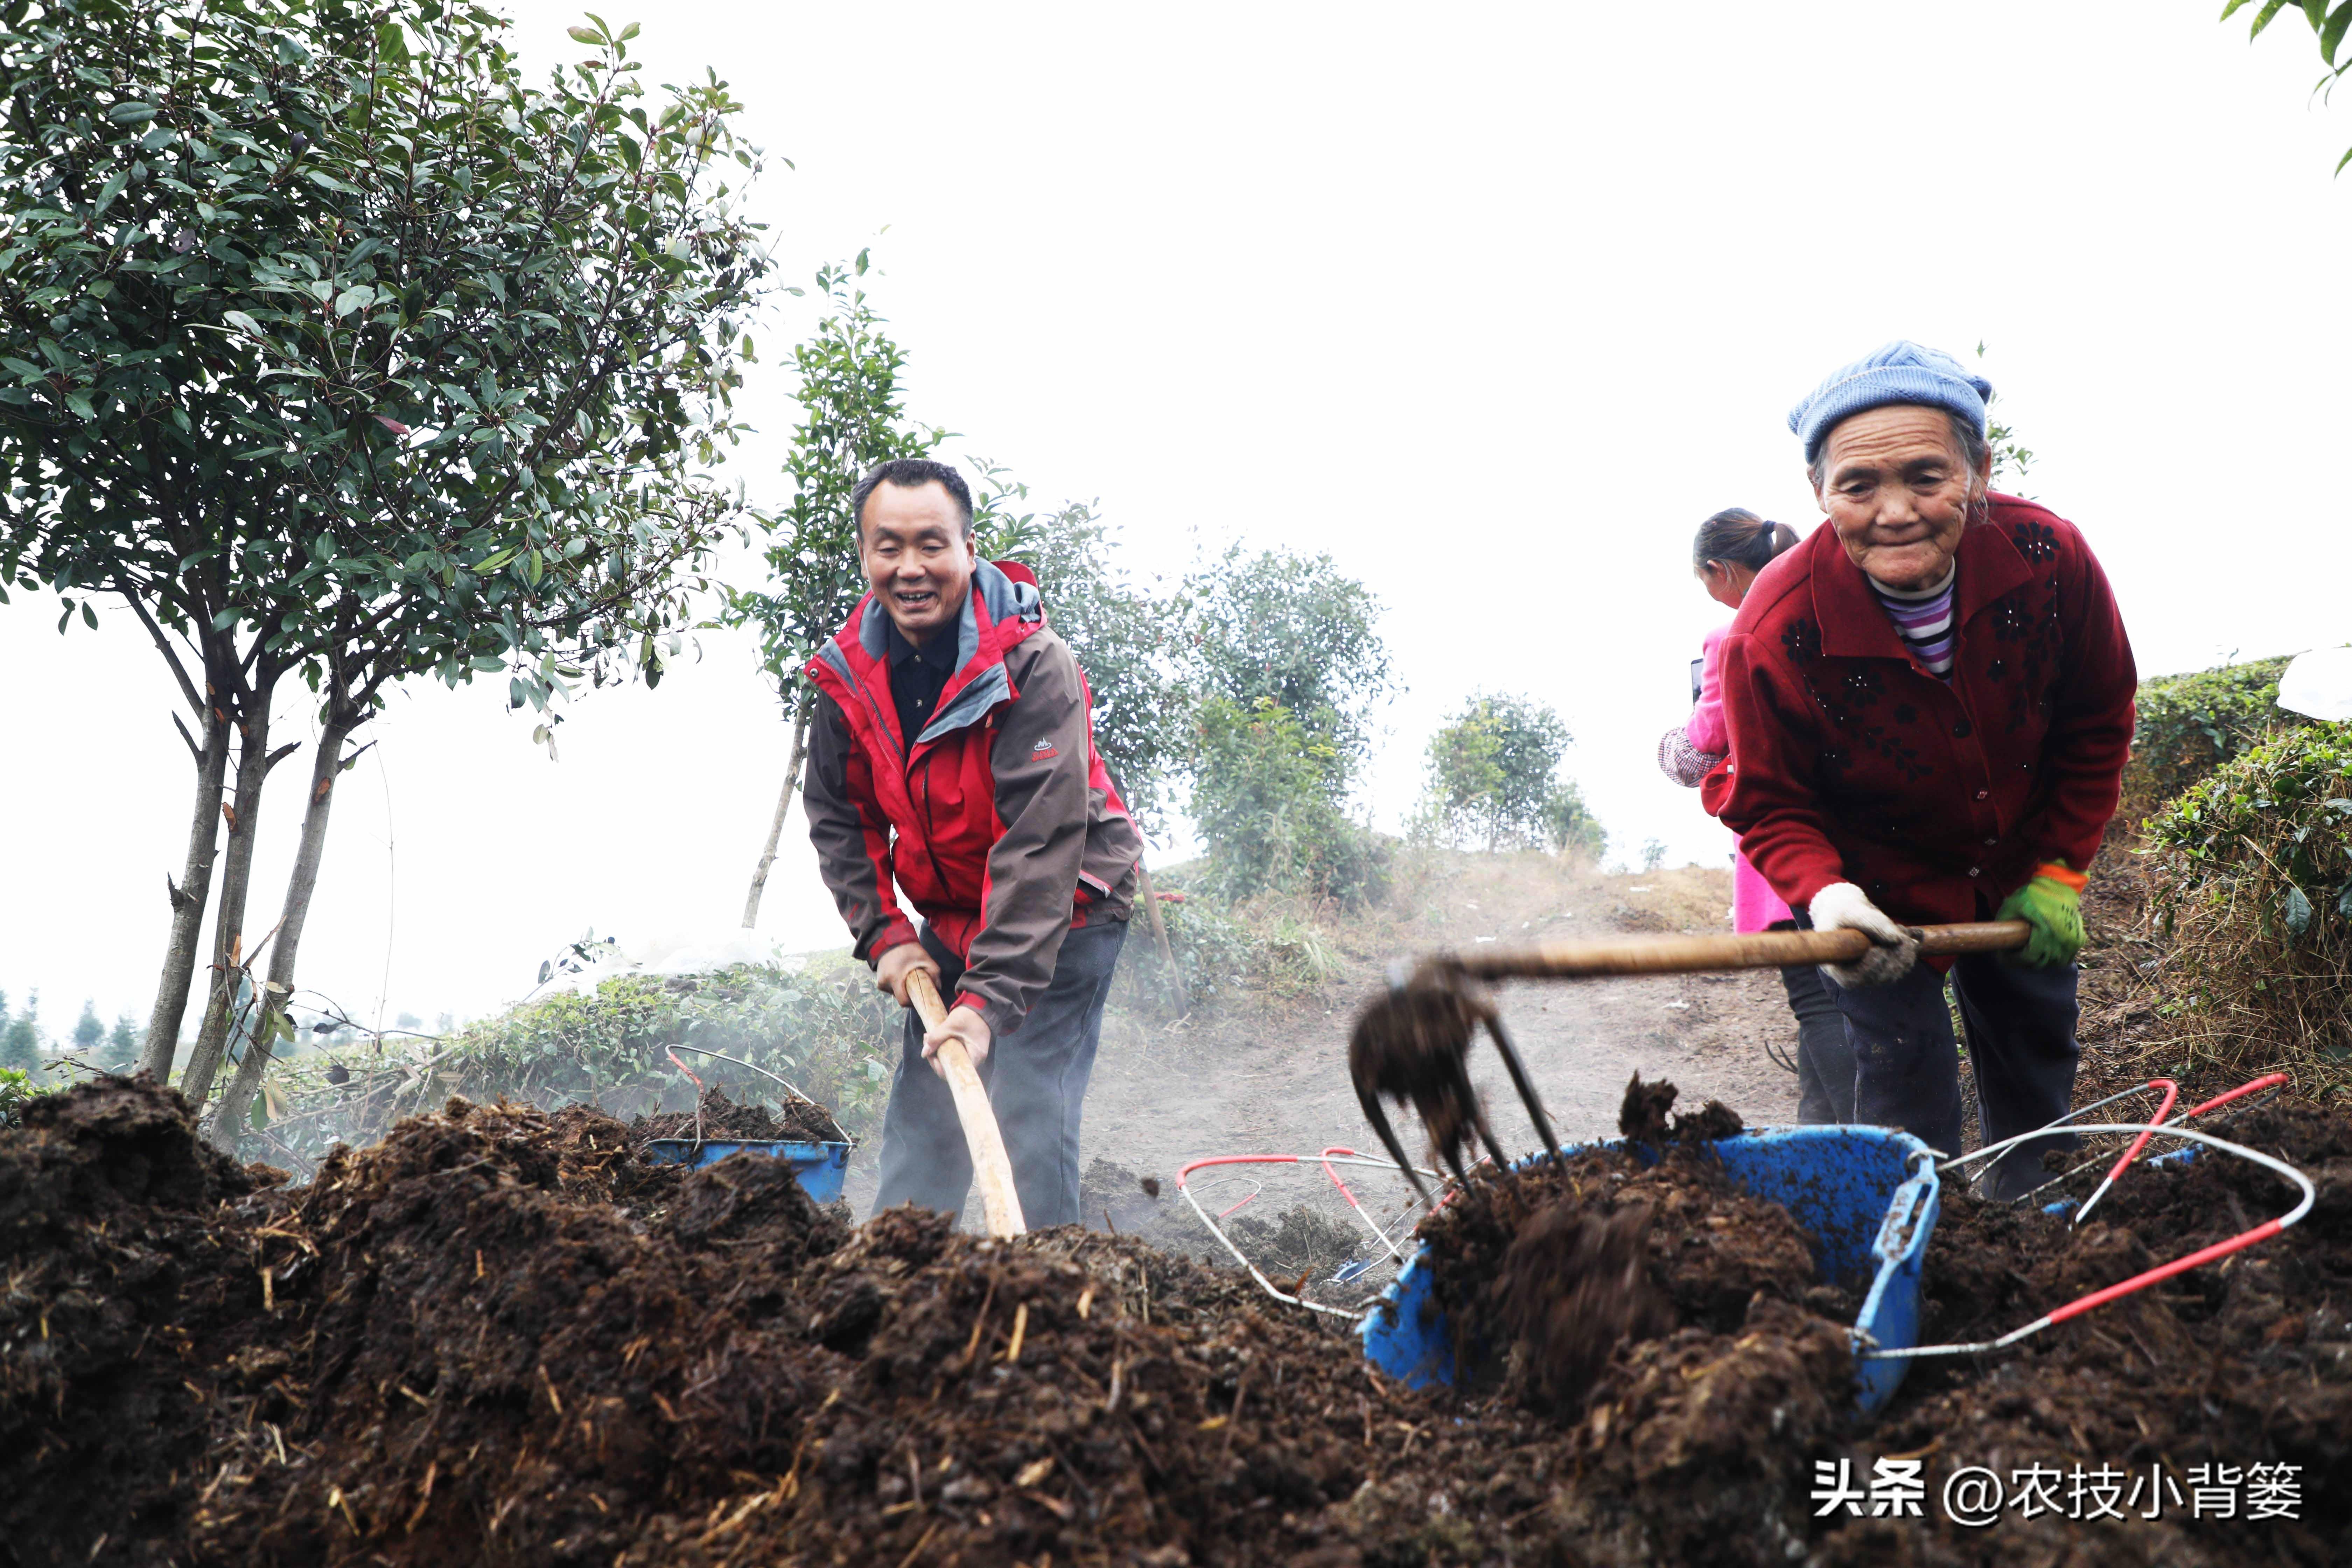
1706 728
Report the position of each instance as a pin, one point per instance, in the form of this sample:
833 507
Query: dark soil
1643 1118
1114 1198
1546 1274
2242 1362
126 1246
475 1341
797 1121
1298 1248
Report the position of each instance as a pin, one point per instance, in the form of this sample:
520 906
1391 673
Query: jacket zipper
930 828
881 727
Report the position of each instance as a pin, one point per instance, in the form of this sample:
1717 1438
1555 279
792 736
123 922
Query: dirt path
1276 1081
1581 1043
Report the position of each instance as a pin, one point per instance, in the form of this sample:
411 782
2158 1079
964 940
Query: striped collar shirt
1925 618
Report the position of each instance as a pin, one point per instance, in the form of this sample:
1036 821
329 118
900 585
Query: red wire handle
2262 1232
2268 1080
1325 1160
699 1092
2238 1243
2171 1093
1184 1170
681 1066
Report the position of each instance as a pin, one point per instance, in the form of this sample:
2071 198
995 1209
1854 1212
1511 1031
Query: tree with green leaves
1284 660
2011 456
20 1041
1262 798
853 416
1570 827
89 1033
122 1043
2330 19
336 350
1291 630
1494 770
1119 629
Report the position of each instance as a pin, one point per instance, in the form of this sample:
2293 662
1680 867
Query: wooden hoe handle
1691 954
989 1164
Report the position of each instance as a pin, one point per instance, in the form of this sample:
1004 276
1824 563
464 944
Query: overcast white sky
1491 304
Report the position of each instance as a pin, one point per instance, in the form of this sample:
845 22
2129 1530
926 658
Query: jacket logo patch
1044 751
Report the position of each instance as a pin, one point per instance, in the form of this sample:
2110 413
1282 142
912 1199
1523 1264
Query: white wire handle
2099 1298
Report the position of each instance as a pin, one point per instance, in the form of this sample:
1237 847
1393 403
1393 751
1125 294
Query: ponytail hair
1739 537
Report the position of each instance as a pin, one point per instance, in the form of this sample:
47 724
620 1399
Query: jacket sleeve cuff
1001 1020
1810 886
897 933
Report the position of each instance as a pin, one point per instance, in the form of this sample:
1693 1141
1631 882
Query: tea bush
2251 877
818 1022
17 1087
2190 724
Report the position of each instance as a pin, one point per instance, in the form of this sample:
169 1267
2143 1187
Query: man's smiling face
912 542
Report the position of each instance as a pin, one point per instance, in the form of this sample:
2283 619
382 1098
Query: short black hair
908 474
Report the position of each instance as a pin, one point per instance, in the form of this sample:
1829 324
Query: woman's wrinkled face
1897 489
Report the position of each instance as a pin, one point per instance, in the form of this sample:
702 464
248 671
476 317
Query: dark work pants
1037 1078
1825 1054
1824 1051
2020 1027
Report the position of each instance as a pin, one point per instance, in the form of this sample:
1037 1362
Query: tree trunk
253 765
1150 901
776 827
325 767
188 900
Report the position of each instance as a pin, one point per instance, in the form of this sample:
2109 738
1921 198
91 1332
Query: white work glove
1842 906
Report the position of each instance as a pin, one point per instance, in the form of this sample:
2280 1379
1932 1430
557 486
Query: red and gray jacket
999 820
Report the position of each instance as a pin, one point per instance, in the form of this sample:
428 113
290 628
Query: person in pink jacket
1732 547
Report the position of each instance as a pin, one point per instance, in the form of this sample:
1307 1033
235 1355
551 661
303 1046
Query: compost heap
719 1117
1546 1274
492 1336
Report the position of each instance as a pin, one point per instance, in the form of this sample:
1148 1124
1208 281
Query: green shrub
1266 794
2188 725
1268 946
1218 953
17 1087
820 1023
2250 876
1571 828
1492 772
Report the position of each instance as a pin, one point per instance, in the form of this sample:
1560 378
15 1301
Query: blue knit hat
1902 372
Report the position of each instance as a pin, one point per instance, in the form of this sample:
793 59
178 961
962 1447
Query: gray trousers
1037 1078
2021 1028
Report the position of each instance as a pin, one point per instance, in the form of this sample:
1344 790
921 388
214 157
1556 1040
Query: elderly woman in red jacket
1929 704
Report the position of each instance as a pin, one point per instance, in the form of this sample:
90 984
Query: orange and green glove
2052 905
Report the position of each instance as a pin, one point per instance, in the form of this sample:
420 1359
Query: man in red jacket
952 757
1931 705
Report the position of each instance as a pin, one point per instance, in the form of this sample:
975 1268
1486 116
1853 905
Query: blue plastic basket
1868 1195
819 1166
